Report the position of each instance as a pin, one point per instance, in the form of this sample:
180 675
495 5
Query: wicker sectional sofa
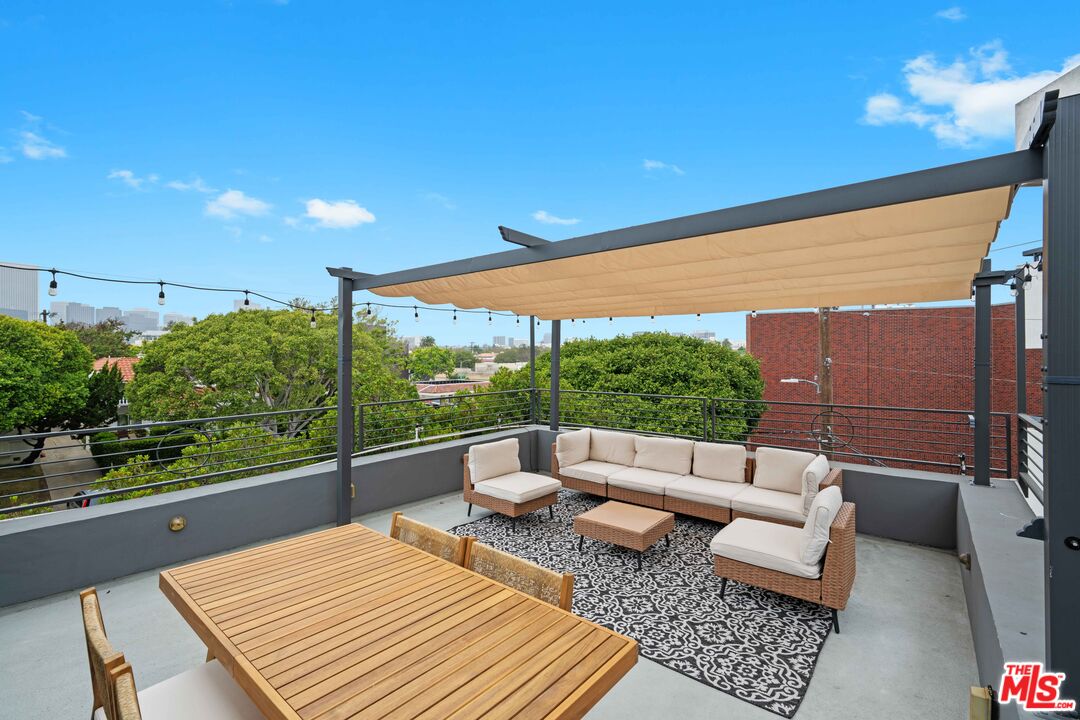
715 481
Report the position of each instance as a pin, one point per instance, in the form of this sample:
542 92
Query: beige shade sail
919 251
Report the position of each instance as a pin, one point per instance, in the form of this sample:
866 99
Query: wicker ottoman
628 526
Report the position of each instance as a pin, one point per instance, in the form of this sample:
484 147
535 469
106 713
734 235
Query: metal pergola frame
1052 159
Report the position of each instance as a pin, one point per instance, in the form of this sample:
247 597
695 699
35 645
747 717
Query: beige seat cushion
592 471
206 691
704 490
764 544
572 448
642 480
518 487
720 461
777 469
815 535
670 455
769 503
612 447
495 459
812 476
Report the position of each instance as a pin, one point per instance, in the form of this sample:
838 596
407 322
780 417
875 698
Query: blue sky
251 144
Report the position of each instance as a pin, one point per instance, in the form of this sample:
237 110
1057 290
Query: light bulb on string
517 320
247 301
611 321
699 317
753 313
455 316
652 318
415 314
52 284
489 317
161 293
313 323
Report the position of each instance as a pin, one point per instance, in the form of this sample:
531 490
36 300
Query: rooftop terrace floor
905 644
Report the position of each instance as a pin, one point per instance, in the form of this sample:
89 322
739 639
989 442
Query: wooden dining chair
528 577
431 540
102 655
207 691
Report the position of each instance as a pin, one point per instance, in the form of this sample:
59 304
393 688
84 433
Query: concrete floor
905 647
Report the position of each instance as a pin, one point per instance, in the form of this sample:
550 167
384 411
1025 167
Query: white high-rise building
19 292
175 319
79 313
108 312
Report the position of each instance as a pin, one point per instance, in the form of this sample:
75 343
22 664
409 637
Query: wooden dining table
349 623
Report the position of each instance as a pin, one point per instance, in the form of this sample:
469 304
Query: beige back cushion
720 461
612 447
671 455
782 470
572 448
812 476
491 460
815 533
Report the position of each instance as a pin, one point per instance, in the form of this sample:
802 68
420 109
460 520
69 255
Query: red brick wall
907 357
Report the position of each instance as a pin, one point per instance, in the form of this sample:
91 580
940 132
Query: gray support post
532 370
1061 409
344 401
982 382
1021 345
556 341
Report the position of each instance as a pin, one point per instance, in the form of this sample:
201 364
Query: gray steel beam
344 401
996 171
1061 409
556 341
1021 344
519 238
982 383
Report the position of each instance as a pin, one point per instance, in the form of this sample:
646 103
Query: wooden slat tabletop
348 623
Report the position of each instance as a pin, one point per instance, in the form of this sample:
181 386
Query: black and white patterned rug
756 645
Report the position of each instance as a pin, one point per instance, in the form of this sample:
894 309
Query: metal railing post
705 419
1008 445
556 341
360 428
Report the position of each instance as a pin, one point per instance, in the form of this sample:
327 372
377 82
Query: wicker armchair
431 540
831 589
543 584
206 692
500 486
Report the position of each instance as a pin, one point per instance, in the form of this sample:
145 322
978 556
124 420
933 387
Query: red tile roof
126 365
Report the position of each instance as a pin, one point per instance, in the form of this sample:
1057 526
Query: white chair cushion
720 461
207 692
491 460
642 480
815 532
704 490
672 455
518 487
812 476
572 448
612 447
777 469
591 471
763 544
769 503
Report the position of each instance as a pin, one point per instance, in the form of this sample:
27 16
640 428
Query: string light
517 320
699 317
313 323
369 309
415 314
611 321
247 301
455 316
489 317
161 293
52 284
652 318
753 313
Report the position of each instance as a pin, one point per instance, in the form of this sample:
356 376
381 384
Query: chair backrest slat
528 577
431 540
125 696
103 657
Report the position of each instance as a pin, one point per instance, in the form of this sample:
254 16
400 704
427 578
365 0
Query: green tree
262 360
427 341
44 375
427 362
651 364
464 358
108 338
106 388
513 355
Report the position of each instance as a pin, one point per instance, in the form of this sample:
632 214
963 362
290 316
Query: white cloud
37 147
964 103
440 199
337 214
131 179
234 203
548 219
197 185
651 165
955 14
